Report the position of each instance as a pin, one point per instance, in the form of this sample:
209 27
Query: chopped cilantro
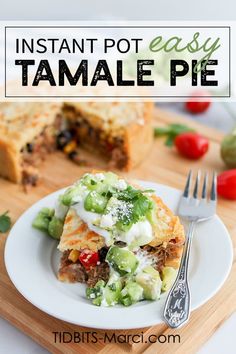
139 205
171 131
112 286
5 222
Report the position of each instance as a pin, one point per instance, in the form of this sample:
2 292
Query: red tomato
191 145
226 184
88 258
194 105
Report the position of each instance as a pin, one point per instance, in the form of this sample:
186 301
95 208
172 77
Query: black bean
73 154
30 147
63 139
90 131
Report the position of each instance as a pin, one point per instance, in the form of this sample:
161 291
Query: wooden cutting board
163 165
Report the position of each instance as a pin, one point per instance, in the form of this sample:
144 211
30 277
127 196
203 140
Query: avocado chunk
131 293
55 228
149 279
89 181
96 293
71 193
100 185
41 222
111 293
95 202
107 295
122 260
168 275
110 178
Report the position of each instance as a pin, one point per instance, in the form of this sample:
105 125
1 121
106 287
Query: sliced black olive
120 244
102 254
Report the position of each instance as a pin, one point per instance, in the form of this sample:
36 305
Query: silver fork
193 210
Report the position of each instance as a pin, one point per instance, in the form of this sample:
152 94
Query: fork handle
177 306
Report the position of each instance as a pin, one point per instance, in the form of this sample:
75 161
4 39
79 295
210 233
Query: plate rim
146 323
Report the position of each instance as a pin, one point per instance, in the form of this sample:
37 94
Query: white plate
32 260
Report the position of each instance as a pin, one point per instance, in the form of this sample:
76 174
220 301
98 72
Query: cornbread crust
130 121
77 236
139 137
167 226
20 123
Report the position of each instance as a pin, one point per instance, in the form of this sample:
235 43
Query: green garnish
171 131
139 204
5 222
131 193
141 207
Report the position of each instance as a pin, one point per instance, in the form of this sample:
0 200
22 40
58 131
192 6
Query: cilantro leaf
171 131
139 204
131 193
5 222
141 207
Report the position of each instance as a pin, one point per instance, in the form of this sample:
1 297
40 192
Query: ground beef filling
164 253
75 272
36 151
111 147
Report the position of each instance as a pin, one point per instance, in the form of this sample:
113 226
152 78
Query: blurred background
118 10
219 115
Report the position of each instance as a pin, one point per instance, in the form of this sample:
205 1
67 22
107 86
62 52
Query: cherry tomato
191 145
88 258
226 184
194 105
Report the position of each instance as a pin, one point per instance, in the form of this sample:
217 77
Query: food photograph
117 219
117 177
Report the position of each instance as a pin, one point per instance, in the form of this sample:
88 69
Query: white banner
122 61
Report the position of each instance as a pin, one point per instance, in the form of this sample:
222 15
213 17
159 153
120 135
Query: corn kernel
74 255
70 147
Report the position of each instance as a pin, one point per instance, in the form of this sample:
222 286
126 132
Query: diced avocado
97 301
152 272
41 222
95 182
107 295
149 279
47 212
122 260
112 292
70 194
168 277
47 222
95 202
126 301
55 228
89 181
96 293
131 293
110 178
114 203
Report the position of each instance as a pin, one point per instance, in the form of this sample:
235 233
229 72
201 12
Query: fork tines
213 189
